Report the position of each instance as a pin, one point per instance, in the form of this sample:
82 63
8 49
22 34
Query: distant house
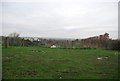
30 39
37 39
53 46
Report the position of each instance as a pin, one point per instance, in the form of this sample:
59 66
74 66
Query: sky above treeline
60 18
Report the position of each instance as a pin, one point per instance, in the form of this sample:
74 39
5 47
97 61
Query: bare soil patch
28 73
84 72
8 58
38 51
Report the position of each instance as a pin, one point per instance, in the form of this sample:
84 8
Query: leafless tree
14 39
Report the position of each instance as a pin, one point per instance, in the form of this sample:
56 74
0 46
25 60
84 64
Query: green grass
47 63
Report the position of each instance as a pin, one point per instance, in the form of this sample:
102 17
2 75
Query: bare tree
6 42
14 39
14 35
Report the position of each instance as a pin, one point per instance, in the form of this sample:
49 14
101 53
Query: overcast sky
60 18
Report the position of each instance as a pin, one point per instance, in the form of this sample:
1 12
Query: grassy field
47 63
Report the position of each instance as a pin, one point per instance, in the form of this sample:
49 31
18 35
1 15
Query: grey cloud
60 19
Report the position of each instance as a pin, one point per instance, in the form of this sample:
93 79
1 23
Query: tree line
102 42
13 39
